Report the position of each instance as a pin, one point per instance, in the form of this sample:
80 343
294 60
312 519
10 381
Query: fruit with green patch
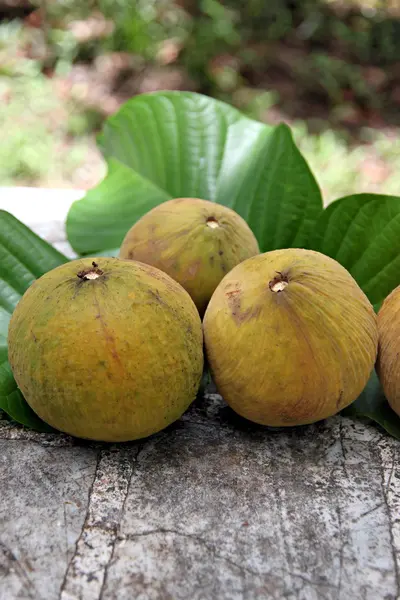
107 349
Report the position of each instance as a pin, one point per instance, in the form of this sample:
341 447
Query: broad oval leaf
276 193
362 232
23 258
180 144
177 140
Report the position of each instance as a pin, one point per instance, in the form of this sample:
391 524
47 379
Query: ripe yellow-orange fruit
290 338
107 349
195 241
388 365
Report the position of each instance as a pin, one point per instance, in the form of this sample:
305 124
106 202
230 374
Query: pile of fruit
112 349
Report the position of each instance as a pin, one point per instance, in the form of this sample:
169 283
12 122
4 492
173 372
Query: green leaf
14 404
4 320
373 405
273 190
106 213
180 144
23 258
113 252
362 232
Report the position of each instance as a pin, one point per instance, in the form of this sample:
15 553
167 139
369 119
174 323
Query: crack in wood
341 548
388 510
17 565
200 540
110 561
85 574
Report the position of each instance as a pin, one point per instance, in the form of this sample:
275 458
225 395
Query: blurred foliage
136 26
344 169
323 65
33 135
365 32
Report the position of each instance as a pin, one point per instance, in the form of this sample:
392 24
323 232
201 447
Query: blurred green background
329 68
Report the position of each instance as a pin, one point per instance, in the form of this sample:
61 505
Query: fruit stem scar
212 222
92 273
279 282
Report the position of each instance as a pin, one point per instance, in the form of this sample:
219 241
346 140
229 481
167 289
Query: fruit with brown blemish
107 349
388 365
195 241
290 337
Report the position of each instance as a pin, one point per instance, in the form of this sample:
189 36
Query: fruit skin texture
388 365
195 241
294 356
114 358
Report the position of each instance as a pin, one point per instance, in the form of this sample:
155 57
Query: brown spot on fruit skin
234 300
108 336
233 296
241 317
154 294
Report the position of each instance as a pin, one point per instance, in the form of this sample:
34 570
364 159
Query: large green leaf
373 405
108 211
23 258
362 232
180 144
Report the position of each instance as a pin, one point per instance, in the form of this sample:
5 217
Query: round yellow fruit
195 241
106 349
290 338
388 365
